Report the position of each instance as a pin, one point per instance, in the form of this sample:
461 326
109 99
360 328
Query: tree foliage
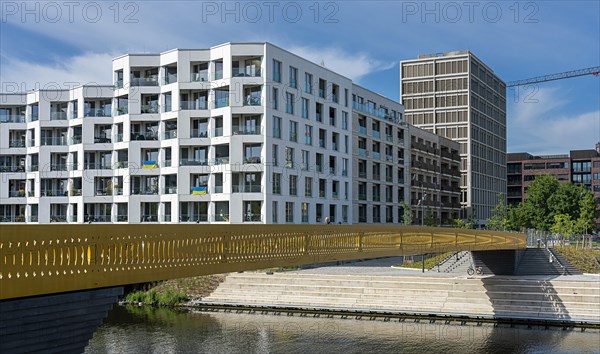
549 206
407 215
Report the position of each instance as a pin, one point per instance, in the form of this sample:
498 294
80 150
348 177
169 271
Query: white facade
210 135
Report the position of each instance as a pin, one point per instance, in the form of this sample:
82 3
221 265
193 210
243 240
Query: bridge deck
46 259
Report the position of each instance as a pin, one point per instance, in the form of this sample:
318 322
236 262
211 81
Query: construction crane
595 70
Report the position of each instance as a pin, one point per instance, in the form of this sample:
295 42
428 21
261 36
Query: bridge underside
49 259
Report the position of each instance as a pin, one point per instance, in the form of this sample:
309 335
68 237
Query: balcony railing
122 218
53 141
252 101
76 139
58 167
18 143
17 218
222 160
102 140
193 105
16 194
241 130
19 118
194 218
246 188
170 134
149 218
14 168
199 133
97 166
58 218
221 217
145 81
169 190
193 162
32 168
58 115
252 159
96 113
122 110
152 190
149 109
169 79
199 76
147 136
222 102
236 72
54 193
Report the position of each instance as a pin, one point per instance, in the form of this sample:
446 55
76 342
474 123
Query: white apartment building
457 96
379 158
232 134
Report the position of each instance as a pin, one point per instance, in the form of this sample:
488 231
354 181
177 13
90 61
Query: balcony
76 139
363 152
376 134
376 155
170 190
147 136
222 160
389 138
362 130
17 218
362 196
193 105
151 190
170 79
122 110
58 218
223 217
118 84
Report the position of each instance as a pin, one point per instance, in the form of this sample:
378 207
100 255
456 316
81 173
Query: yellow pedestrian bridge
49 259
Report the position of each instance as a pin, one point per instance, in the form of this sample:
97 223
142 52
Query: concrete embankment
558 300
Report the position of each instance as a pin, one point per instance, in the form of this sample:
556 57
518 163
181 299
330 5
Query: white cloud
539 127
351 65
90 68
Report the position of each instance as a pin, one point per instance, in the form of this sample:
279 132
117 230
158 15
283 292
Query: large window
276 70
293 186
277 127
276 183
289 103
293 77
289 212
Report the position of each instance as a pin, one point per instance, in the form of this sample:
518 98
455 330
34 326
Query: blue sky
44 44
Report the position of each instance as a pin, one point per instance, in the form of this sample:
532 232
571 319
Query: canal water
160 330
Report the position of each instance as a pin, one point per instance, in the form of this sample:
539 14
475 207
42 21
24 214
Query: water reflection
156 330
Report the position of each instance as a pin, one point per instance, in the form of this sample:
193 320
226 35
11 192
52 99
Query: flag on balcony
199 190
150 164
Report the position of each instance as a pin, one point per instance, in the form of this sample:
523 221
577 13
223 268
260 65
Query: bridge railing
44 259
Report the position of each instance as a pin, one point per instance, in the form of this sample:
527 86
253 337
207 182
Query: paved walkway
383 266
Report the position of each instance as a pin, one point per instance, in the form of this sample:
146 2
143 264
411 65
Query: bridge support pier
61 323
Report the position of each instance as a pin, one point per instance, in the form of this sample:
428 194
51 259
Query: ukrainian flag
199 190
150 164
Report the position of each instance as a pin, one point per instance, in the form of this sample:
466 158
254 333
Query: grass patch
176 291
587 261
429 262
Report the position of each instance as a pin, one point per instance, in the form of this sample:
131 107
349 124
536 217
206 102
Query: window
276 183
275 212
308 186
289 103
305 212
275 98
277 127
305 160
276 71
345 120
305 106
289 157
293 131
308 83
308 134
275 153
293 185
293 77
289 212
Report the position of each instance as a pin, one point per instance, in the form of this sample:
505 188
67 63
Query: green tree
407 215
567 200
537 212
563 224
430 219
499 214
513 219
587 213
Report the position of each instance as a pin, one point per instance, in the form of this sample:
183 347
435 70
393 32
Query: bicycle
476 270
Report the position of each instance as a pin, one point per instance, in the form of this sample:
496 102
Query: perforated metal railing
46 259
